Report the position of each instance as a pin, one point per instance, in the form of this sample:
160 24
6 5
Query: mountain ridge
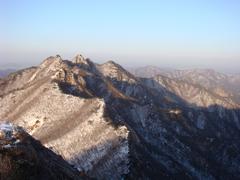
114 124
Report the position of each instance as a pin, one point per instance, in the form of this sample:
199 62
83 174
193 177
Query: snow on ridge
6 127
9 133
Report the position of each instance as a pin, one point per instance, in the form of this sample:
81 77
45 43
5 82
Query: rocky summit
110 124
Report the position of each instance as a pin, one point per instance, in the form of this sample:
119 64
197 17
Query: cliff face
22 157
109 123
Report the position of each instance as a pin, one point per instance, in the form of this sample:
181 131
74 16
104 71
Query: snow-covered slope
71 125
22 157
111 124
192 93
224 85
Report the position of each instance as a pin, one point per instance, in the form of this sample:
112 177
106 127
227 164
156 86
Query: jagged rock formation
52 102
114 71
22 157
109 123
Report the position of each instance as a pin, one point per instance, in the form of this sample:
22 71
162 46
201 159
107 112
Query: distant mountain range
6 72
149 123
221 84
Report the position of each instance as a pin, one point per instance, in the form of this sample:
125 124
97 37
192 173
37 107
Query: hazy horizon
172 34
128 67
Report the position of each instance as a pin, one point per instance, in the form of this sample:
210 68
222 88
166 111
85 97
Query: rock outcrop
53 103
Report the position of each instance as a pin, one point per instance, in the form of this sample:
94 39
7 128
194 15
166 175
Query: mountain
54 105
149 71
109 123
224 85
23 157
193 93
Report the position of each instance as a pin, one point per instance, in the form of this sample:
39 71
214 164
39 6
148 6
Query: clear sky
167 33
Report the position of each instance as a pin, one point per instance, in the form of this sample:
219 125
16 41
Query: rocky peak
109 124
115 71
79 59
112 64
51 63
84 63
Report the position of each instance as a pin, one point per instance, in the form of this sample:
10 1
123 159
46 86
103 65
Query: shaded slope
22 157
120 120
55 106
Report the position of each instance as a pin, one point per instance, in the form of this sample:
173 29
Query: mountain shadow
169 137
22 158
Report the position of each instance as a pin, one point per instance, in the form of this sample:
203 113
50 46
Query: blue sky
170 33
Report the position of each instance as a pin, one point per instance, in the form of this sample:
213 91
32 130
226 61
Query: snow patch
8 134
